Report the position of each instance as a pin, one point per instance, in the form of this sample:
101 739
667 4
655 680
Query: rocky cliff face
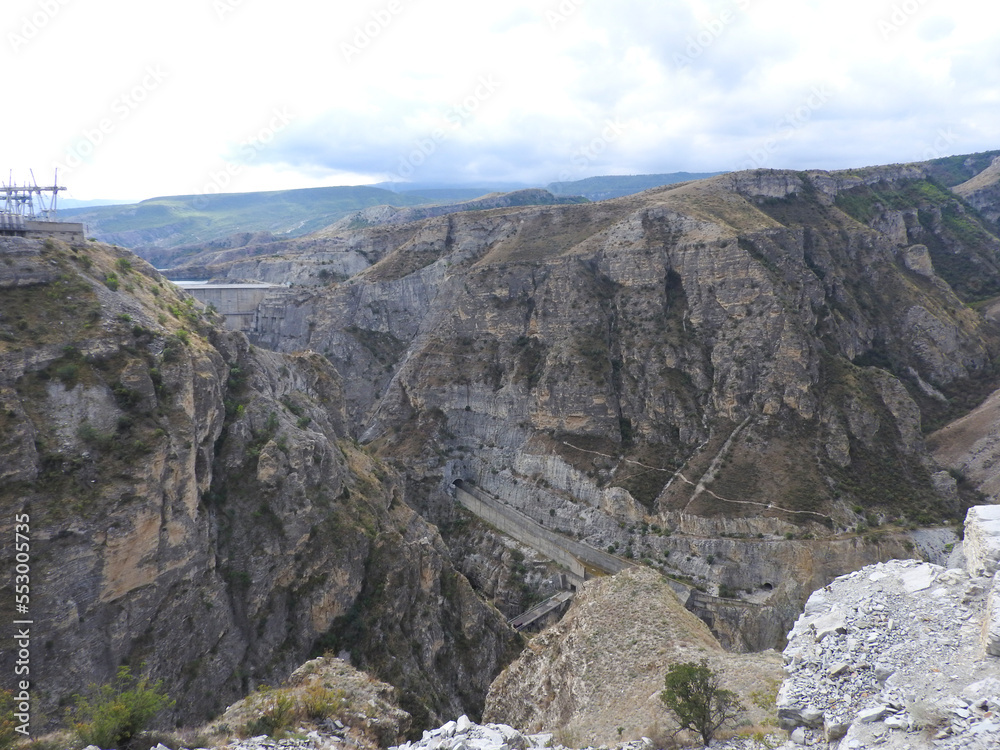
763 351
983 191
322 256
729 380
668 326
198 507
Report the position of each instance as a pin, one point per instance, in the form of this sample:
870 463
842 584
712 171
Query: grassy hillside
180 220
616 186
953 170
960 244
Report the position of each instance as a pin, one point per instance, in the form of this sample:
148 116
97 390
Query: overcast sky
139 98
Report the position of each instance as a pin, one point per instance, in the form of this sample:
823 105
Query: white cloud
692 84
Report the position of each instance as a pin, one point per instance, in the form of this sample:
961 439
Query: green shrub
693 692
727 592
68 372
94 437
318 702
127 398
111 281
172 348
117 711
276 717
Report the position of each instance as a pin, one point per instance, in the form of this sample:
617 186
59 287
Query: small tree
116 712
694 694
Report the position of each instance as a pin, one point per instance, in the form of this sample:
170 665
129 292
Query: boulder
982 539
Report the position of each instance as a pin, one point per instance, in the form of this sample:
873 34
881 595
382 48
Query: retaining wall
567 552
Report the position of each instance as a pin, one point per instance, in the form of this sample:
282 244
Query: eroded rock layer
198 508
755 357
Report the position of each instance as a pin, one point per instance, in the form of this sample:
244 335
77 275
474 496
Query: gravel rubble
894 656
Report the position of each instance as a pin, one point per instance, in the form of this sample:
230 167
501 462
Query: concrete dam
581 560
238 303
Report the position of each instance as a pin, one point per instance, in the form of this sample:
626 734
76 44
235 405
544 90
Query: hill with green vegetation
173 221
953 170
617 186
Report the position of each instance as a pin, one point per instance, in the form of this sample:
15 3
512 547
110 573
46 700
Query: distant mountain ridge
201 260
618 186
166 222
161 229
68 204
173 221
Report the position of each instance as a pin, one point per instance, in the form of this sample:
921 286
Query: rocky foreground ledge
462 734
901 654
466 735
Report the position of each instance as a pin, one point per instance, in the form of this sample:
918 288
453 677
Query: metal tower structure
30 201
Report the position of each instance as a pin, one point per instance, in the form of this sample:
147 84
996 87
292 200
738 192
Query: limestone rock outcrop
983 191
712 328
970 447
340 702
762 350
197 507
900 654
